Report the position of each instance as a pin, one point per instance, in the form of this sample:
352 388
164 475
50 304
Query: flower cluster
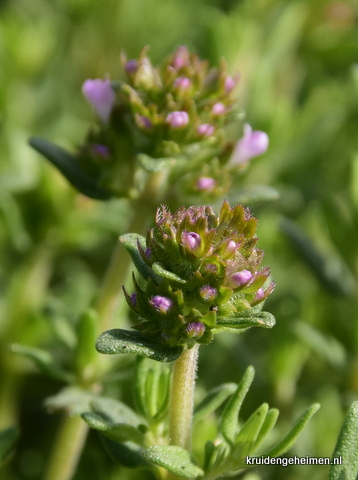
203 273
177 112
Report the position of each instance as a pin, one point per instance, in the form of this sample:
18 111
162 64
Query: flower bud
205 184
182 83
195 329
250 145
260 294
162 304
205 129
131 67
181 58
229 84
191 241
240 279
101 95
208 293
177 119
218 109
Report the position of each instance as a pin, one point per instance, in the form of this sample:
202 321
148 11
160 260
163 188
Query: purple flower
182 82
191 241
131 66
162 304
195 329
101 95
177 119
206 183
250 145
218 108
208 293
240 279
205 129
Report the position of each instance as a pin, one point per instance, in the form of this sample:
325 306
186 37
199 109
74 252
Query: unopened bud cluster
176 112
202 268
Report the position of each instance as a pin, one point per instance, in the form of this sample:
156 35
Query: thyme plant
166 137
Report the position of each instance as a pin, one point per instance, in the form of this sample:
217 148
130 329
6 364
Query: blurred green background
298 62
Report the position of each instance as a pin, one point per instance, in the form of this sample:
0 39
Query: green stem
67 449
182 398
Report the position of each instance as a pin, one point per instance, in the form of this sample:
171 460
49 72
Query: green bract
203 275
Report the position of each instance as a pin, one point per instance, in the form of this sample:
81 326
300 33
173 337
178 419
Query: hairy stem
182 398
67 449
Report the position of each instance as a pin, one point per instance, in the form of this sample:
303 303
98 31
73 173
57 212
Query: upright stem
182 398
67 449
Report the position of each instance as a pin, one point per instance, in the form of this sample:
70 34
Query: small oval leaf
246 320
125 341
175 459
69 167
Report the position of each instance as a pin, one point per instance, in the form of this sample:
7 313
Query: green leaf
214 399
159 270
246 320
290 439
130 243
43 360
269 423
115 411
151 388
347 448
153 165
125 341
72 399
8 438
67 164
118 432
127 454
175 459
229 422
245 441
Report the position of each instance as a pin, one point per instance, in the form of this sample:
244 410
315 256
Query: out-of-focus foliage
299 83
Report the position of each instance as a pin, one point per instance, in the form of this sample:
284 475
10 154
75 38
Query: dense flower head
181 111
204 272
